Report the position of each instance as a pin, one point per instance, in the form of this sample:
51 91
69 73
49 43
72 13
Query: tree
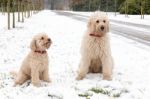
136 7
92 5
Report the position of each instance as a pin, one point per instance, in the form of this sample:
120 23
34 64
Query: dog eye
42 38
97 21
104 21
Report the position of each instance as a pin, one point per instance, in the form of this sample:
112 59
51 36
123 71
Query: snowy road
133 31
131 73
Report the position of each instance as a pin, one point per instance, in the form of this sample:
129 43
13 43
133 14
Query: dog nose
49 39
102 27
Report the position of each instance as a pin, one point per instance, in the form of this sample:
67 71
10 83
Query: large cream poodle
95 48
35 65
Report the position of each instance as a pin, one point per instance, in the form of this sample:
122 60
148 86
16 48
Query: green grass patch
86 94
100 90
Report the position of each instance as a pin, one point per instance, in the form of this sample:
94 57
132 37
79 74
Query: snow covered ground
131 73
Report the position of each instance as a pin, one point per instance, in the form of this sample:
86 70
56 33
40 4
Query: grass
100 90
117 95
86 94
54 96
107 92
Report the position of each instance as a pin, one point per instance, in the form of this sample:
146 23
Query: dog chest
92 48
39 61
42 63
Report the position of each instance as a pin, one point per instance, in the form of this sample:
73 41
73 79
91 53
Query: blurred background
122 6
25 8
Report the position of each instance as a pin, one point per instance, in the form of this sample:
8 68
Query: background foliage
133 6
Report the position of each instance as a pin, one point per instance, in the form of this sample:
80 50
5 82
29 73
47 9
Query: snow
131 73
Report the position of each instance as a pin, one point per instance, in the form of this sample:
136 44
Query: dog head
98 24
40 42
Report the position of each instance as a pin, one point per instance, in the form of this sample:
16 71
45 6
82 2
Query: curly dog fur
35 65
95 48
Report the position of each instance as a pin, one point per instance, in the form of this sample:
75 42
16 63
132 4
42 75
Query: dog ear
33 44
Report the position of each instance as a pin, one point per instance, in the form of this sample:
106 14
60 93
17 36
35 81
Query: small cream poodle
95 48
35 65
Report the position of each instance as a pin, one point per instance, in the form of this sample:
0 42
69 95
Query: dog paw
17 83
36 84
107 78
79 78
49 81
14 85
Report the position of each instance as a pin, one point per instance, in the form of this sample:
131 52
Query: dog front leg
46 76
107 66
35 77
83 68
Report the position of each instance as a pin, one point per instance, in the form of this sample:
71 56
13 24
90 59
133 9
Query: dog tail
14 74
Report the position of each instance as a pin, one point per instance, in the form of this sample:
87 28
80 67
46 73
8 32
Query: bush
134 7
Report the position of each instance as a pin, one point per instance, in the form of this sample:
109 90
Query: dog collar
95 35
41 52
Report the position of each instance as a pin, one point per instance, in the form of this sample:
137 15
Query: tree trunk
8 11
22 10
13 12
19 6
28 8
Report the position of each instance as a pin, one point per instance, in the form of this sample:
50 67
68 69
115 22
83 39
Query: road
119 28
